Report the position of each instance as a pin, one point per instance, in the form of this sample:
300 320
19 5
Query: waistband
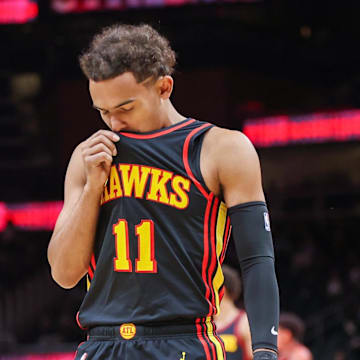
129 331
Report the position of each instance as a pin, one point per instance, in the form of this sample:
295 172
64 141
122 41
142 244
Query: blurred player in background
291 332
232 323
147 213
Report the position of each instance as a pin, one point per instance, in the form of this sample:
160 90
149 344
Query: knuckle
104 133
102 138
103 148
107 157
84 151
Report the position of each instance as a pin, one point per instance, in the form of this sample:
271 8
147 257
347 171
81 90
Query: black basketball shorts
165 342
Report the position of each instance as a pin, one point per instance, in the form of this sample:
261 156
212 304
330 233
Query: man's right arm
71 244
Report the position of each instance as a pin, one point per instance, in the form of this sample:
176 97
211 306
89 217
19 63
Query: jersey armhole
191 157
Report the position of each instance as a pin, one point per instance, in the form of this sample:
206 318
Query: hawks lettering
131 180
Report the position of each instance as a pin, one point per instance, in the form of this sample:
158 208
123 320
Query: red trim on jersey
218 338
226 239
77 349
92 261
90 272
221 293
92 266
157 134
206 249
186 160
212 345
213 252
202 340
78 322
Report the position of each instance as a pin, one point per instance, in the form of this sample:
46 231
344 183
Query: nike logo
273 331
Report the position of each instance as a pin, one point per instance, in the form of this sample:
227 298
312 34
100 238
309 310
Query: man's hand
265 355
71 244
97 152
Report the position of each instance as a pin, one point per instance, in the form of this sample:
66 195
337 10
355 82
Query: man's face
126 105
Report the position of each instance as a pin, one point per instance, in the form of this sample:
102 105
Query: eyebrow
117 106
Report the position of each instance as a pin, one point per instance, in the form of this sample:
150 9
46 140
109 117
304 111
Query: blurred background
285 72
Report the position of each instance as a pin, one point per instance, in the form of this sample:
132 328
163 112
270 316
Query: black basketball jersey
234 344
161 235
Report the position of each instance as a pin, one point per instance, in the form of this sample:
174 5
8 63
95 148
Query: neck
170 115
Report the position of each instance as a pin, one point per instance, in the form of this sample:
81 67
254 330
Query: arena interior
285 72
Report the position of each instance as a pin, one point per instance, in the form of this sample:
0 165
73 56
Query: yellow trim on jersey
220 233
214 339
220 228
88 283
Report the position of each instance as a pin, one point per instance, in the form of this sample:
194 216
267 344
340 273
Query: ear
165 86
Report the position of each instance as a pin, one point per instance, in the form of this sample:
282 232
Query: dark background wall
235 62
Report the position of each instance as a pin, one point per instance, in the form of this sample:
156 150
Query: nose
117 124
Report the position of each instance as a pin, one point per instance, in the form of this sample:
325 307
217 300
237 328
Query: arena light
334 126
30 216
18 11
3 216
51 356
71 6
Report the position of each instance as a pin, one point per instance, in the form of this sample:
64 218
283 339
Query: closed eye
126 109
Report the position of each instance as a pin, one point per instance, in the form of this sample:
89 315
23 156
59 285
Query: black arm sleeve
254 247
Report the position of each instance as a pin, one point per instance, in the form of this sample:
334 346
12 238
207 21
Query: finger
109 134
97 159
98 148
104 140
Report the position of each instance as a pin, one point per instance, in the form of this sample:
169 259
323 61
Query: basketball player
147 215
232 323
291 332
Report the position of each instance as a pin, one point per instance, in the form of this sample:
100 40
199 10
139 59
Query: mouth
118 128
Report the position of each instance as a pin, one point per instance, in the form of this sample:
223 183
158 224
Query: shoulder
76 157
227 139
236 165
75 170
230 148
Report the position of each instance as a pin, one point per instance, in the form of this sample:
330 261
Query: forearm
71 244
261 300
253 242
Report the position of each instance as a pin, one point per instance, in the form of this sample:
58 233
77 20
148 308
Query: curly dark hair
121 48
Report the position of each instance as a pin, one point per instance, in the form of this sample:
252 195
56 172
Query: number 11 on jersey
145 262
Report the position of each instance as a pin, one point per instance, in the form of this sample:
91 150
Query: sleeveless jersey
161 235
234 344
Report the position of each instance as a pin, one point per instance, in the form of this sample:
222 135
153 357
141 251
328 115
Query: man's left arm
239 176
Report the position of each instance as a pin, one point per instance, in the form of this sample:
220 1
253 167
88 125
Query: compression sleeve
254 247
